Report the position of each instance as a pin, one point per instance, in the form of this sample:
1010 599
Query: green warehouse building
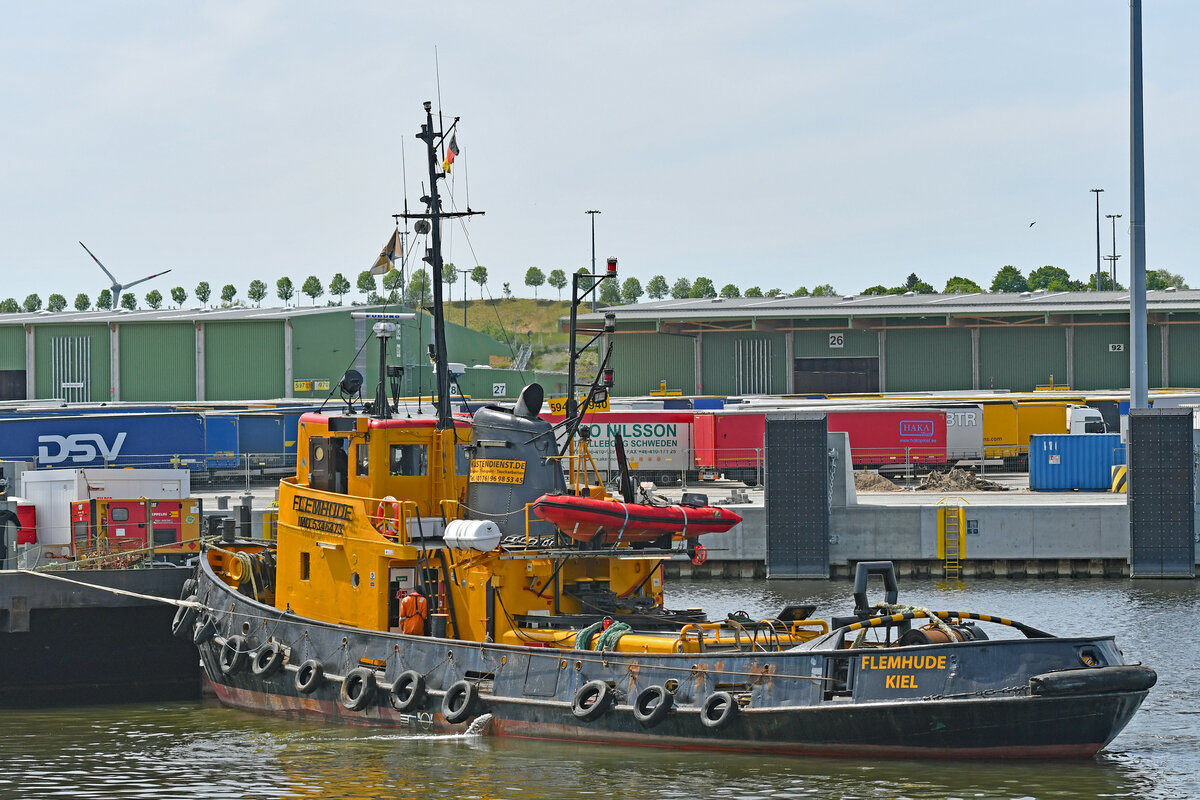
211 355
900 343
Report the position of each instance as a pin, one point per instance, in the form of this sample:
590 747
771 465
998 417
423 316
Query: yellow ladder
950 540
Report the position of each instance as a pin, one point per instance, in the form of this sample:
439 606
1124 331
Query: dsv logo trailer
78 448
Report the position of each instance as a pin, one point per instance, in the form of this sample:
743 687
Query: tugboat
413 584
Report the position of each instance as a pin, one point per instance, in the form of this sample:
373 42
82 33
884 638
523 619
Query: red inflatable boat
585 518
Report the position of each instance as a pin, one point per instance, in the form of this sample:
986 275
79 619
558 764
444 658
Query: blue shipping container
1064 462
116 440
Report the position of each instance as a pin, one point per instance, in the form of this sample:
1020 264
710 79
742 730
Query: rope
584 637
608 639
113 590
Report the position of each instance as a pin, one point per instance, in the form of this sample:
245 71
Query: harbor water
202 750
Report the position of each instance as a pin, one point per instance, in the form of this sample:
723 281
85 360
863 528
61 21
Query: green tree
754 291
1106 283
82 302
179 295
339 286
913 284
479 276
228 292
285 290
824 290
9 306
534 277
154 299
703 288
657 288
256 291
507 291
1054 279
313 287
203 292
129 301
1009 279
56 302
681 288
729 291
773 292
631 290
558 279
32 303
104 300
958 285
877 289
1163 279
586 281
366 282
449 277
393 282
419 293
801 292
610 292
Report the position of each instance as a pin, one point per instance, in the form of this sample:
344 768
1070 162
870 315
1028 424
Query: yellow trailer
1008 424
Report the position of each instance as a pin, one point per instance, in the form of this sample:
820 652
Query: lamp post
1097 191
1114 257
465 273
593 214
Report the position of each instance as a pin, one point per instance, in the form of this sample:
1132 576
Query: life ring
234 654
718 710
651 705
358 689
185 618
698 553
408 691
268 660
459 701
205 630
310 676
591 700
388 524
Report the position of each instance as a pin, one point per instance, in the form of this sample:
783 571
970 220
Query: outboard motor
514 464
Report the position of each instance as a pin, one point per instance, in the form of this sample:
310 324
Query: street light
1113 259
593 214
1097 191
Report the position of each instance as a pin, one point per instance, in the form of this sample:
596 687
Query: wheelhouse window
361 459
409 459
462 460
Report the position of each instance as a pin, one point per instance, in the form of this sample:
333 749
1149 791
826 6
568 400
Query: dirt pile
958 480
867 481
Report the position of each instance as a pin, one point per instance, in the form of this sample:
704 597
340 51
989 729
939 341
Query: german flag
451 152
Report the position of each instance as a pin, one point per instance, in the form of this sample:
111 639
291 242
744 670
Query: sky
769 144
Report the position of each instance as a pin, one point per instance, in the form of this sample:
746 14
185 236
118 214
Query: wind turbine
118 287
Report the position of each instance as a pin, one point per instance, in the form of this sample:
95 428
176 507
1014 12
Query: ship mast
433 256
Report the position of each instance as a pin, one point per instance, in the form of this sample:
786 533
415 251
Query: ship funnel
529 402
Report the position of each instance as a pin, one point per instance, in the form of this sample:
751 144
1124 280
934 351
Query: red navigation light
612 268
608 377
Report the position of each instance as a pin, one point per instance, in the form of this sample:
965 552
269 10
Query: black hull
65 644
530 691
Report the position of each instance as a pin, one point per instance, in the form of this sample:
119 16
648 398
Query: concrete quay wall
1006 540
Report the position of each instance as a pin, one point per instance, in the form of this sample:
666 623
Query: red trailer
732 443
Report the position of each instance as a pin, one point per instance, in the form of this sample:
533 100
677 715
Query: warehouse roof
238 314
918 305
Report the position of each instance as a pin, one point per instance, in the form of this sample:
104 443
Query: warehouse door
837 375
71 368
12 384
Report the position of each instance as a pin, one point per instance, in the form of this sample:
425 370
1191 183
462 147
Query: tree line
417 291
1007 279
